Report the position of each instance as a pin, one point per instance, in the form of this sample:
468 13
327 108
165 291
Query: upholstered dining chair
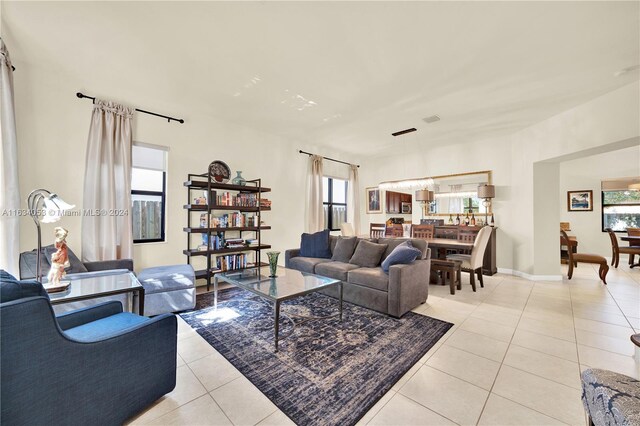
472 263
346 230
96 365
377 230
616 249
575 258
422 231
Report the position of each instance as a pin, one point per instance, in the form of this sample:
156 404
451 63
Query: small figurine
59 259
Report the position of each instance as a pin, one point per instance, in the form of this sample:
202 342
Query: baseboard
529 276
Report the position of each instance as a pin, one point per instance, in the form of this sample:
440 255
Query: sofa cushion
405 253
315 245
105 327
12 289
368 254
306 264
335 270
344 249
370 277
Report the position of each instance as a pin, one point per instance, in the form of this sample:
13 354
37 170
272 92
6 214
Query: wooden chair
633 232
394 230
422 231
472 263
377 230
467 236
616 249
574 258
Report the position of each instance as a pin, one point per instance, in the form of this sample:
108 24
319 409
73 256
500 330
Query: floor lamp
424 196
45 204
487 192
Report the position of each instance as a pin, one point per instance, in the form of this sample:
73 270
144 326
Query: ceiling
344 74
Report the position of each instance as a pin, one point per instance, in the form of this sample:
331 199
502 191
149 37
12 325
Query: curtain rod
330 159
179 120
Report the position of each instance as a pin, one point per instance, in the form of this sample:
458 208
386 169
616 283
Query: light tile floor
513 357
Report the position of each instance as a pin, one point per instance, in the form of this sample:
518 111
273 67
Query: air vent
402 132
431 119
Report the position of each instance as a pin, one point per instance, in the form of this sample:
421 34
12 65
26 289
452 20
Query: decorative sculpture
60 259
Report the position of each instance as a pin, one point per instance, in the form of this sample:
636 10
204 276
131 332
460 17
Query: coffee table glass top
288 283
100 285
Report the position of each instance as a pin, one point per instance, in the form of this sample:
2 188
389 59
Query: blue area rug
326 372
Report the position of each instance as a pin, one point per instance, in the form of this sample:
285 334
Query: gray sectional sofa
395 293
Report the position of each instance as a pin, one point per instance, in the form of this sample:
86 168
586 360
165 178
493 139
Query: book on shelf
216 242
251 242
231 262
237 200
234 243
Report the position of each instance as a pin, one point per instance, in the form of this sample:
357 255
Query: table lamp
424 196
42 202
486 192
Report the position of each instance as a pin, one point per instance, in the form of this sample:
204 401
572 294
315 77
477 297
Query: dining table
633 240
443 244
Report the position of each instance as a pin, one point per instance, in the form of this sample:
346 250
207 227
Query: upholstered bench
610 398
168 289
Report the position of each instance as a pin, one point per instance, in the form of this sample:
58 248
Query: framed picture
374 204
406 208
580 201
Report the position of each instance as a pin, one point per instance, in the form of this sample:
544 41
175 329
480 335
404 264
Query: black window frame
163 196
603 205
331 203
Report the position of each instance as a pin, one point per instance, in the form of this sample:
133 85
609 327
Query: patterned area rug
326 372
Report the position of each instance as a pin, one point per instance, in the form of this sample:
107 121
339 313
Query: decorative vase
273 262
239 180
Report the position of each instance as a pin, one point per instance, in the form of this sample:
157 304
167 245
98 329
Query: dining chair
616 249
422 231
466 236
574 258
472 263
377 230
395 230
633 232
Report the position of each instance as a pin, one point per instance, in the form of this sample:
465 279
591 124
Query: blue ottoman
168 289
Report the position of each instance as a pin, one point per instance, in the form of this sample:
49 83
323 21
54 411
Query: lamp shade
486 191
424 195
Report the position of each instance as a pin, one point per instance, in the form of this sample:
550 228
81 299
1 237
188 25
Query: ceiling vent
402 132
431 119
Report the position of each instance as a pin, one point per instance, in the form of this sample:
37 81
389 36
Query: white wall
607 122
53 124
587 173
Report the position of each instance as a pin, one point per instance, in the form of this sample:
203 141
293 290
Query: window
148 192
620 209
334 199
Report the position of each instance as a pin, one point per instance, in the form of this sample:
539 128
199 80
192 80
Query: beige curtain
106 233
353 199
9 195
315 211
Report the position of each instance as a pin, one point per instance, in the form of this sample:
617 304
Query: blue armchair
97 365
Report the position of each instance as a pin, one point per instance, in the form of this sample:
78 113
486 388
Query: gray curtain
10 193
315 211
107 234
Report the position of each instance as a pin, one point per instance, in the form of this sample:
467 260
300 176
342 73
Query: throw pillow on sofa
368 254
315 245
344 249
405 253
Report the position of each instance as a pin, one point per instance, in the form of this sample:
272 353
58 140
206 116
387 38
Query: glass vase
273 263
239 180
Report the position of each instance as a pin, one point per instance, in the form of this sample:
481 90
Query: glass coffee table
288 284
100 286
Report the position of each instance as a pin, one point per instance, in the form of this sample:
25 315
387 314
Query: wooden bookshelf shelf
202 188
